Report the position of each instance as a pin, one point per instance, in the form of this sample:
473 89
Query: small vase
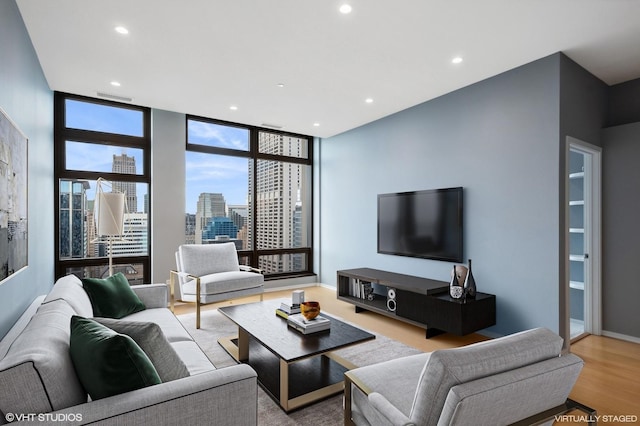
470 284
456 291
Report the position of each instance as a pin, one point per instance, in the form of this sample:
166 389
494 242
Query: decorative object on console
310 310
469 284
109 211
456 290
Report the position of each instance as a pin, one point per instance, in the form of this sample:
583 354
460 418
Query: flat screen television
425 224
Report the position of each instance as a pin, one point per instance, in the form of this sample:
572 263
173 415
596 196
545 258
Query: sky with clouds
216 173
204 172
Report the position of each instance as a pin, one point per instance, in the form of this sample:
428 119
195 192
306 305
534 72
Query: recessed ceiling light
122 30
115 83
280 84
369 100
233 107
316 124
345 9
457 60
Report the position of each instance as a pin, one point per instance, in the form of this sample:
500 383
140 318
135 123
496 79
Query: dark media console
418 301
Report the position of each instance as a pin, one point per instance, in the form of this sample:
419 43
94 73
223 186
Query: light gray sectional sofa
496 382
37 375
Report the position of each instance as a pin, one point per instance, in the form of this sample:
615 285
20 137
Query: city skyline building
135 238
190 228
126 165
278 185
219 227
210 205
73 226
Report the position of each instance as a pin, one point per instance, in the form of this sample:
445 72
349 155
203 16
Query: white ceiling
202 56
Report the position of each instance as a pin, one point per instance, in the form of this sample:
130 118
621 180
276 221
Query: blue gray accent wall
499 139
26 98
583 111
624 103
620 187
620 230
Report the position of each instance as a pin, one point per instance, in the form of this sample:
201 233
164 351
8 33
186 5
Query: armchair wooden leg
347 401
172 286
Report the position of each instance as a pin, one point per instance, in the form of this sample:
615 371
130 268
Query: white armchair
208 273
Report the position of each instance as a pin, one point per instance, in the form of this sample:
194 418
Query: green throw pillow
108 363
112 297
151 339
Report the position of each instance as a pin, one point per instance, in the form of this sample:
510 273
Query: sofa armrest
152 295
387 411
227 396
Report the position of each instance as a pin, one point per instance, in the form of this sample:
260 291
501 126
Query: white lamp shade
109 213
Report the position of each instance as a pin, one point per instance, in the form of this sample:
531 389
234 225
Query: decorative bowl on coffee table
310 310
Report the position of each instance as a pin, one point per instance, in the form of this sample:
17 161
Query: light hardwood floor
609 382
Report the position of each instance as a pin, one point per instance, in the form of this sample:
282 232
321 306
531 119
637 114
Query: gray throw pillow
152 341
108 363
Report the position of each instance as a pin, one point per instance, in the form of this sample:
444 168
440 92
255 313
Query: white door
584 239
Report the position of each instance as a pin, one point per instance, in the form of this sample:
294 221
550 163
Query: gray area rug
324 413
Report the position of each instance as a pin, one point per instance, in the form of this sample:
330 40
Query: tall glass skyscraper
125 164
278 185
210 205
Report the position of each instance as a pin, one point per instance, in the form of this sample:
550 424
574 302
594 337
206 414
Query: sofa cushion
69 288
224 282
108 363
112 297
449 367
38 369
151 339
203 259
173 329
193 357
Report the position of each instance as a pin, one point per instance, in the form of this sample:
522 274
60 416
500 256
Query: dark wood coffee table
293 368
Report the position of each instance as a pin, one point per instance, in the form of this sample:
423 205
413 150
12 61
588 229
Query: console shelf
419 301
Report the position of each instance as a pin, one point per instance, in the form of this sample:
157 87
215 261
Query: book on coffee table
290 308
281 313
305 326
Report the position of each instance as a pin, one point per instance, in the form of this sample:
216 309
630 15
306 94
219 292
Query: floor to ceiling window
106 141
251 186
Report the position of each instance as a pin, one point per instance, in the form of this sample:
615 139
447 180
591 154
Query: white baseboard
619 336
290 283
330 287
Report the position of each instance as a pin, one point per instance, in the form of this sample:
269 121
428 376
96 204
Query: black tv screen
426 224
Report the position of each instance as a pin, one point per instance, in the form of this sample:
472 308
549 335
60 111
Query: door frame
593 237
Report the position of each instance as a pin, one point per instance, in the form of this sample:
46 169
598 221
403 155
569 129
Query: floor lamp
109 212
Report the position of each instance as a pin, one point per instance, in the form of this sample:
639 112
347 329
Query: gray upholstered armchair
497 382
208 273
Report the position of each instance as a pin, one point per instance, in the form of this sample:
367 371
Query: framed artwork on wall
13 198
